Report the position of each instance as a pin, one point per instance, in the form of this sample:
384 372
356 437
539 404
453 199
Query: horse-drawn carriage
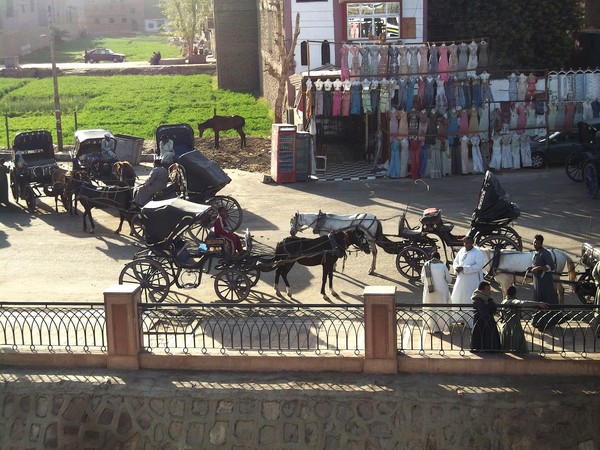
86 156
168 258
585 287
33 162
198 178
590 165
490 227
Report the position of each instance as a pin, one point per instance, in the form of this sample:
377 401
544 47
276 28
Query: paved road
47 257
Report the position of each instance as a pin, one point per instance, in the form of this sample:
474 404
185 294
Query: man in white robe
468 266
436 277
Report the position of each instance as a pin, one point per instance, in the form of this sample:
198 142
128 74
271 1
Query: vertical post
122 325
6 125
59 139
381 346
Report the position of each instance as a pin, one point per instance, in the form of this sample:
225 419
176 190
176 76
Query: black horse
222 123
324 251
118 197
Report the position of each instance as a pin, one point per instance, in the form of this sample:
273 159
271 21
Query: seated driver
166 150
106 158
223 231
157 181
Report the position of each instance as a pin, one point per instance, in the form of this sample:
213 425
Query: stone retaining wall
100 409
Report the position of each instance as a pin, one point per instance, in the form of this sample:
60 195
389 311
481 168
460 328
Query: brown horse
222 123
124 171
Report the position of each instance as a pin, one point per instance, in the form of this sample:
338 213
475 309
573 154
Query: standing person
157 181
513 337
167 153
485 336
542 268
222 230
435 277
468 265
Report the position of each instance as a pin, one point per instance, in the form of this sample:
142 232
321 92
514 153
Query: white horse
512 265
323 223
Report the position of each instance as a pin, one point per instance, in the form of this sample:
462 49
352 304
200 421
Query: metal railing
442 328
225 328
52 327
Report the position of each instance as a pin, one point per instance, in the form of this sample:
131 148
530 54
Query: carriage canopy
88 141
165 220
202 175
35 146
494 203
181 134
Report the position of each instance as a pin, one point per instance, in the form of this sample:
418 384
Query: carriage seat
183 256
214 243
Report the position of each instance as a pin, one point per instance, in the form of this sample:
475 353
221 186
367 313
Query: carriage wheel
14 185
150 275
410 260
574 165
585 288
234 210
165 261
232 285
198 232
253 275
137 226
499 241
590 177
29 197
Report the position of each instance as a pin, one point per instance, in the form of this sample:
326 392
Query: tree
186 18
281 65
522 34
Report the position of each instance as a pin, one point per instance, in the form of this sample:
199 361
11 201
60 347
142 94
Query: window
304 53
123 20
364 19
97 21
111 20
10 8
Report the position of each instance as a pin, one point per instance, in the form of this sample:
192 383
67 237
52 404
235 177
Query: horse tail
243 121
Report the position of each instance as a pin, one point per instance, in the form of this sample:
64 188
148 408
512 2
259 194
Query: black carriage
591 166
577 159
202 178
585 286
86 155
490 227
170 257
33 162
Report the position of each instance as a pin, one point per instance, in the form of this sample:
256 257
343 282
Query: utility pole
59 138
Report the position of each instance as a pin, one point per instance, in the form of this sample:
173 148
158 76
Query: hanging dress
515 150
394 165
384 96
415 150
393 61
486 90
473 121
552 110
433 59
484 121
521 120
423 60
506 151
366 99
429 92
463 123
402 93
453 59
496 160
476 154
569 115
373 60
441 102
521 87
402 123
365 68
382 67
403 60
464 155
463 60
410 93
413 67
472 61
344 49
355 65
443 62
559 120
355 102
526 151
337 103
531 120
483 56
404 155
512 88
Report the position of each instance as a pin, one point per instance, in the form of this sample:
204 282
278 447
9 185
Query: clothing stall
435 109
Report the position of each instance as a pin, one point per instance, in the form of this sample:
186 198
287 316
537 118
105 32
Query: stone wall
100 409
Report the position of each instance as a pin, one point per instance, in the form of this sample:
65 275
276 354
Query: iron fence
52 327
442 328
280 329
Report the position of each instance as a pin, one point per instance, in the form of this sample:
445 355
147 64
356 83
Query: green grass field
125 104
137 48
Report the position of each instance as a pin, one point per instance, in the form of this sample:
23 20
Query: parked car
102 54
555 149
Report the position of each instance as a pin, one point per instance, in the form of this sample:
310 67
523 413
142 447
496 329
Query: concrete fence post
381 347
122 326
